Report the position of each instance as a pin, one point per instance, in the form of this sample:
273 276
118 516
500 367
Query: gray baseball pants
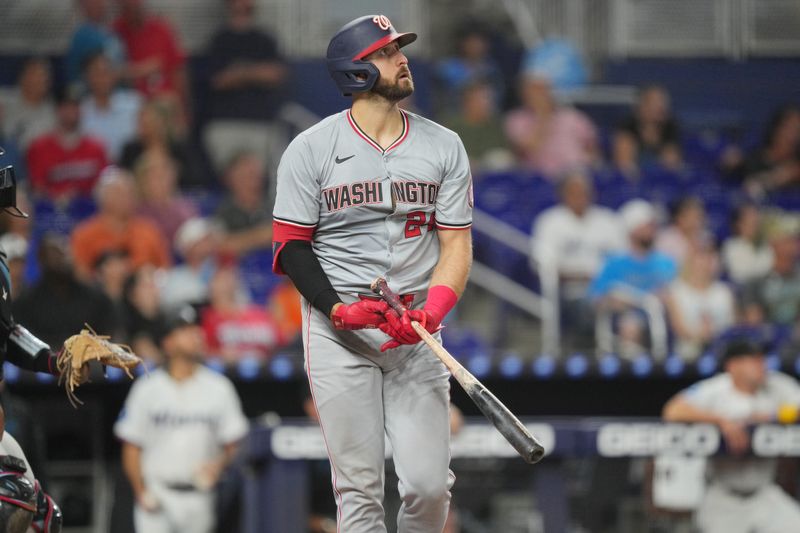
361 395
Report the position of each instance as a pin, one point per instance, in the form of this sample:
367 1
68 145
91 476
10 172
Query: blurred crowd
144 197
661 243
125 223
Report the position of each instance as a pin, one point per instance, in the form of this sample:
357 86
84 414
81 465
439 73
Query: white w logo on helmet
382 21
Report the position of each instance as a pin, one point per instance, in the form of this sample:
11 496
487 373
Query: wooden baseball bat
493 409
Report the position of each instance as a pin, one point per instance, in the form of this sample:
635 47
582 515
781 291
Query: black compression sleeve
300 263
27 351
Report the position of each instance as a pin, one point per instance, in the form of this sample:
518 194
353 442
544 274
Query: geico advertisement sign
483 440
474 440
644 439
772 440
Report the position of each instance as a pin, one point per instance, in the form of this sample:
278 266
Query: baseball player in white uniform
180 427
376 191
741 496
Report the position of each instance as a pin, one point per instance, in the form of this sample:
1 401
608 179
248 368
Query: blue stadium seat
464 342
256 272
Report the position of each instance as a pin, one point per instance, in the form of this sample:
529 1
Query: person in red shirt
65 162
156 59
236 329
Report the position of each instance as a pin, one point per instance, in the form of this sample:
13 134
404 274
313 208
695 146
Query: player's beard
394 91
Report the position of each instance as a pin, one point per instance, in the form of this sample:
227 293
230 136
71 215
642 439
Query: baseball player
180 427
742 496
376 191
22 502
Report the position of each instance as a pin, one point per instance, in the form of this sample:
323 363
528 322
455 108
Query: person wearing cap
197 242
741 496
626 277
180 428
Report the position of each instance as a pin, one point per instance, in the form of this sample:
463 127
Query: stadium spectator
480 128
776 163
547 137
156 60
627 279
699 305
746 255
143 314
153 133
65 162
284 305
59 304
108 112
649 136
93 35
180 429
160 201
779 290
236 329
687 231
575 238
27 109
116 227
248 77
112 269
196 241
641 267
472 64
741 495
245 215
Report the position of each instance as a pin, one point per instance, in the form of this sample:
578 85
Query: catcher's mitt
79 349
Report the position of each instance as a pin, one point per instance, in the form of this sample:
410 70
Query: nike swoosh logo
343 159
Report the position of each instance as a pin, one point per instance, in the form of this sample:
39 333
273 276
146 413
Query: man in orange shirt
115 227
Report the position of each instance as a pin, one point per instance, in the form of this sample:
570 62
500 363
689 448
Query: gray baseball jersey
371 212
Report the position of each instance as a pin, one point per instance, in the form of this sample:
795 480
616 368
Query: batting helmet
352 43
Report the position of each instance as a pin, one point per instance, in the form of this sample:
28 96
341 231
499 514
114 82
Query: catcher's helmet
356 40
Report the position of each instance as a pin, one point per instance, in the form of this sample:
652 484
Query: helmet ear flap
353 76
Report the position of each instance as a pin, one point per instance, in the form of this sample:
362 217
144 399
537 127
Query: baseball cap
637 213
192 231
180 318
741 347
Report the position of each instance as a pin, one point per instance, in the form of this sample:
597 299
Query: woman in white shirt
746 255
699 306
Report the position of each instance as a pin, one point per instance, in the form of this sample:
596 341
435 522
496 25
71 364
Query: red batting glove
400 329
364 314
441 299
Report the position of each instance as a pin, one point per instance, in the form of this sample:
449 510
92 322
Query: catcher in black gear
23 504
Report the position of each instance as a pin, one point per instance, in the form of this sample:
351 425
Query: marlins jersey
370 211
180 425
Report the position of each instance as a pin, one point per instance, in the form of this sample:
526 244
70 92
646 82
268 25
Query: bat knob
376 285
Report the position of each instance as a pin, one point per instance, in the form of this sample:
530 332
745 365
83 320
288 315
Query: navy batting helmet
352 43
